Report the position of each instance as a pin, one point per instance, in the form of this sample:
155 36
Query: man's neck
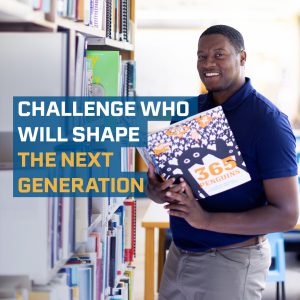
222 96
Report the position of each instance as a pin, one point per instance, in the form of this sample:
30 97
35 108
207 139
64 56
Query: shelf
114 208
25 13
40 221
52 272
96 220
79 27
55 270
103 41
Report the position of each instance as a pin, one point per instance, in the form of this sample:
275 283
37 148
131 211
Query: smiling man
219 248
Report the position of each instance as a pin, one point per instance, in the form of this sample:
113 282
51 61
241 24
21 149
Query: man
220 251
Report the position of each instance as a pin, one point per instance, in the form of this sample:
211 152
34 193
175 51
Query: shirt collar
237 98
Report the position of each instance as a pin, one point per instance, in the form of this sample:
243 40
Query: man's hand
156 189
281 213
187 207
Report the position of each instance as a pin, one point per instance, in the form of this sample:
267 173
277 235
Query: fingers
180 197
177 188
156 190
151 172
168 183
187 188
181 192
153 179
166 191
177 207
177 210
176 213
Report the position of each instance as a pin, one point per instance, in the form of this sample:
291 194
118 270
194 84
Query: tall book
81 219
124 16
80 10
106 72
128 78
112 258
129 229
202 150
79 67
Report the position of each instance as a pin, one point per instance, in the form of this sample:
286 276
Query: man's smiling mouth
211 74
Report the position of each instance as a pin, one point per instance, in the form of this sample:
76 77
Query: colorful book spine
129 230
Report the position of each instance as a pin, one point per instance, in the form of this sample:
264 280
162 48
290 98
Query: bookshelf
22 11
46 240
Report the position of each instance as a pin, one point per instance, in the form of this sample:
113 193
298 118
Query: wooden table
157 217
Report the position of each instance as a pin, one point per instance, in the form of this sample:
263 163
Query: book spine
108 15
129 231
124 24
91 16
86 19
112 261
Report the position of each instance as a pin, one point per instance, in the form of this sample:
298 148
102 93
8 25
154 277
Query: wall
166 57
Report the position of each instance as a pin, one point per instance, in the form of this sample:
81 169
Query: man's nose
210 62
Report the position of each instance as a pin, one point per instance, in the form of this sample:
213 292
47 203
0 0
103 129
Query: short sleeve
276 147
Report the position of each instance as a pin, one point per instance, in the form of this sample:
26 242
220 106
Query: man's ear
243 55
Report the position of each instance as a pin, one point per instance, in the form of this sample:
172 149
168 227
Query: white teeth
211 74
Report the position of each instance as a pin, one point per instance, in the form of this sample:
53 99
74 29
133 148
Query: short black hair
234 36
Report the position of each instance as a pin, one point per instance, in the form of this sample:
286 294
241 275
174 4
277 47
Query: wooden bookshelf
103 41
79 27
24 12
19 14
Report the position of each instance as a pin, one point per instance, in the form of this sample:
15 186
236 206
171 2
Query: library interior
95 247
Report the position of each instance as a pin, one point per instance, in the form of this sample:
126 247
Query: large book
106 72
202 150
85 278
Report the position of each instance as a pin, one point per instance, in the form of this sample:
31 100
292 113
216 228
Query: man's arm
281 213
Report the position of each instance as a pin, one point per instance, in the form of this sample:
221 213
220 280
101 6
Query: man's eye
202 57
219 55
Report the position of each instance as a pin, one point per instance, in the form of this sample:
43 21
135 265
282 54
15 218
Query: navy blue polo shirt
267 144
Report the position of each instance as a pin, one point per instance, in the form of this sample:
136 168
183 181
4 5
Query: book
80 10
81 219
106 72
112 258
109 19
124 19
128 78
129 278
86 12
202 150
79 67
129 229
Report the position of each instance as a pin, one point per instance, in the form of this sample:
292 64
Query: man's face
219 65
